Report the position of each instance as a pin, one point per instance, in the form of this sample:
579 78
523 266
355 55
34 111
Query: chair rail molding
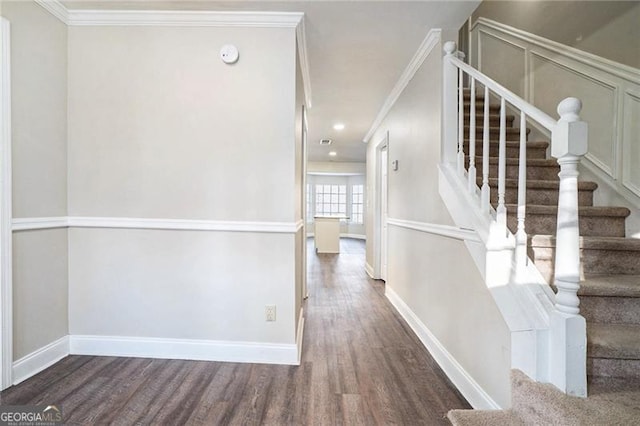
448 231
25 224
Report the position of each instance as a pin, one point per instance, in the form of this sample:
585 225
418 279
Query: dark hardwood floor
361 365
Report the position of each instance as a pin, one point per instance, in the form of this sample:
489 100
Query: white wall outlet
270 312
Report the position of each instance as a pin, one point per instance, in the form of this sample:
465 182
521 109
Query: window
357 204
331 200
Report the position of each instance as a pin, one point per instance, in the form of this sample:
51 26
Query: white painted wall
159 127
435 276
39 137
181 284
605 28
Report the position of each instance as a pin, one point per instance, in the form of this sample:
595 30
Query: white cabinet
327 234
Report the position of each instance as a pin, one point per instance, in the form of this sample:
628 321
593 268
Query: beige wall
605 28
433 275
181 284
160 127
39 162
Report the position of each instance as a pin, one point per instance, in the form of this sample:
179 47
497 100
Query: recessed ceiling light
338 126
332 153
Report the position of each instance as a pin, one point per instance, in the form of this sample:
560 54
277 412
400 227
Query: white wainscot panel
495 52
551 82
631 143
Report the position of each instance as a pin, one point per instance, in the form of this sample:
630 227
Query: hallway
361 364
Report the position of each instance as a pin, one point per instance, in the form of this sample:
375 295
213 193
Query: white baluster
460 124
472 137
569 143
449 144
486 191
521 235
501 210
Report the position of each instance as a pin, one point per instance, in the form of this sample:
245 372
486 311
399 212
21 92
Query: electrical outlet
270 312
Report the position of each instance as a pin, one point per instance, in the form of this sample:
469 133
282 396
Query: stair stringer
524 299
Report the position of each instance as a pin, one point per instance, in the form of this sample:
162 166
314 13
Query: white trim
369 270
301 36
623 71
6 274
184 18
23 224
430 41
38 360
55 8
300 335
191 349
470 389
26 224
354 236
436 229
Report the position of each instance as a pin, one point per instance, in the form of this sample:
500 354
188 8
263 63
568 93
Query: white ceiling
357 51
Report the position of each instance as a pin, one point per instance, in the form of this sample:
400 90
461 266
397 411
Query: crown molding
304 61
430 41
196 18
183 18
55 8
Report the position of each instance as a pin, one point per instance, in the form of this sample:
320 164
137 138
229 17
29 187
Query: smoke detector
325 141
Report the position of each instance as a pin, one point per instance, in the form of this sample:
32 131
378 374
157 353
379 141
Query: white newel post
449 147
568 328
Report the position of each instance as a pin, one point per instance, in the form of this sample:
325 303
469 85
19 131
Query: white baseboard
369 269
343 235
470 389
40 359
200 350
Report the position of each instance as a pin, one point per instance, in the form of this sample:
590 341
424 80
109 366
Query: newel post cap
570 135
450 47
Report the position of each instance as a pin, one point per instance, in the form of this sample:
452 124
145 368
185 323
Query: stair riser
512 151
623 262
511 134
493 109
607 367
590 226
513 172
494 120
620 310
544 197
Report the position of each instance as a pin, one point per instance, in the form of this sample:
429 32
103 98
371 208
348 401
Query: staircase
610 290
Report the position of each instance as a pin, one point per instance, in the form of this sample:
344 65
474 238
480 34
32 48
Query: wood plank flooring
361 365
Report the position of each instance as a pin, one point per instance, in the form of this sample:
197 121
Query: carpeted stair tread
599 211
592 243
484 418
541 184
611 286
495 130
508 144
619 341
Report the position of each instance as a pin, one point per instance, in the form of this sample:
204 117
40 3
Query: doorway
381 213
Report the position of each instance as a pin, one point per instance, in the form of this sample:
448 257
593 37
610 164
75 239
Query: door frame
378 225
6 273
